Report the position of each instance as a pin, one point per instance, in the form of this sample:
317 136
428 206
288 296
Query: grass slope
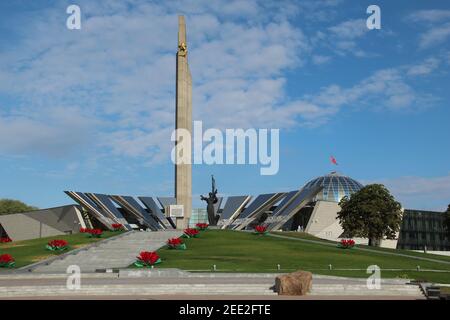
30 251
235 251
306 236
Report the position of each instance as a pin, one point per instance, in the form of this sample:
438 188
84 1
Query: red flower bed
57 245
147 259
117 226
260 230
97 233
176 243
6 261
202 226
347 243
5 240
190 233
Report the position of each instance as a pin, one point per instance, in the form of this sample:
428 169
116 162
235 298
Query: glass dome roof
335 186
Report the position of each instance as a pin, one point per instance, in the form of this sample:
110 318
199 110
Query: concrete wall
42 223
323 223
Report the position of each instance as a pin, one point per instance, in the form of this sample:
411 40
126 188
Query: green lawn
300 235
235 251
306 236
30 251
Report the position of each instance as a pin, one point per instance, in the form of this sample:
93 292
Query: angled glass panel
91 207
132 206
265 202
151 205
166 201
286 200
256 204
232 205
304 196
104 202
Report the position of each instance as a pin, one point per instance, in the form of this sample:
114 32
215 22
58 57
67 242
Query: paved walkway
115 253
193 285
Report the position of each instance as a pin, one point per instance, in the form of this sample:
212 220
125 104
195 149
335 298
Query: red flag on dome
333 160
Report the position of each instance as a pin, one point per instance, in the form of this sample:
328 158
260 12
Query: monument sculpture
211 200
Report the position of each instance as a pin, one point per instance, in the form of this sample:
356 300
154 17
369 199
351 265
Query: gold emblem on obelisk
182 49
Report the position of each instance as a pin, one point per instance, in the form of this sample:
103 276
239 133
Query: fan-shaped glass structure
335 186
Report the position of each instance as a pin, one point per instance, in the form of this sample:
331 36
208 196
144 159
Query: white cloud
56 133
428 66
319 59
113 80
433 15
435 36
343 37
120 69
350 29
437 24
414 192
388 85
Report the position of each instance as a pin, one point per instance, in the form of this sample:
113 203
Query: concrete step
359 290
157 289
205 289
115 253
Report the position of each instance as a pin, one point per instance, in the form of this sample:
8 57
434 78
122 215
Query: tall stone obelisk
183 172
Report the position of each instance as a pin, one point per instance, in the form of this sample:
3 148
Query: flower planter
260 230
190 233
93 233
117 227
176 243
346 243
6 261
147 259
202 226
5 240
57 245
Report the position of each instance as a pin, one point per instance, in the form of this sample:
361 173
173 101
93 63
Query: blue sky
92 109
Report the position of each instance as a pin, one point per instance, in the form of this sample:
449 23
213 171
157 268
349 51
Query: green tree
372 213
9 206
447 222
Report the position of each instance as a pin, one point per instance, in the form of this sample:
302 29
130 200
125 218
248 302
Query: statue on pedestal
211 200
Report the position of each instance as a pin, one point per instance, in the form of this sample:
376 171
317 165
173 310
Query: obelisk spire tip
181 30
